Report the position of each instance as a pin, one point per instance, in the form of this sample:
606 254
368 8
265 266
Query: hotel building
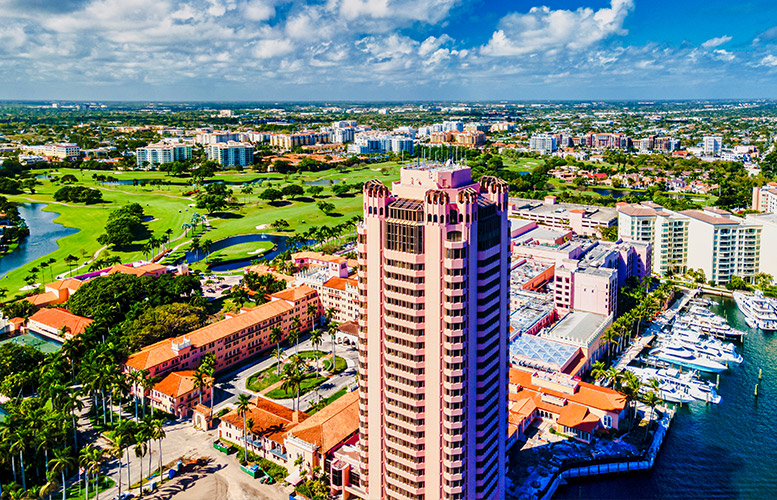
433 332
765 198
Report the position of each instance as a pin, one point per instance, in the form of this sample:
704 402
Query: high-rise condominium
433 331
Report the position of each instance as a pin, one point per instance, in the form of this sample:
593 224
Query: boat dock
665 317
633 351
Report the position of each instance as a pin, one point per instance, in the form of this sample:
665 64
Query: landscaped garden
308 381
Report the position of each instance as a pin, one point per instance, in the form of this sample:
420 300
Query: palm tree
147 383
630 386
141 448
292 381
84 459
247 190
329 314
276 336
650 399
278 354
598 370
117 441
62 461
316 336
199 382
194 246
18 444
158 433
312 313
205 245
293 336
243 405
96 458
333 335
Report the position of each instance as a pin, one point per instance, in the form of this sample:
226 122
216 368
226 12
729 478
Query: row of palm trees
632 388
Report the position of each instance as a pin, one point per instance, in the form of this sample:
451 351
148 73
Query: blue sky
386 49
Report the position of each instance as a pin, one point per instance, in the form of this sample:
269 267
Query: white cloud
267 49
723 55
716 42
428 11
543 30
258 10
769 60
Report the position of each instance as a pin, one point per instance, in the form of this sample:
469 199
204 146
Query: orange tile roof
58 318
331 425
152 267
162 351
69 283
294 294
44 299
318 256
577 417
121 268
263 269
350 327
586 394
271 420
340 283
176 384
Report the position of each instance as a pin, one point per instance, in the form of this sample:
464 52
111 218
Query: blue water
717 451
44 234
615 193
279 241
323 182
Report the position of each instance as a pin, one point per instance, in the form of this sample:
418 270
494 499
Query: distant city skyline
366 50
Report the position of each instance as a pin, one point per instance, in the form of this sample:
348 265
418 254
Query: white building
543 143
217 137
713 240
230 154
765 198
161 153
712 144
343 135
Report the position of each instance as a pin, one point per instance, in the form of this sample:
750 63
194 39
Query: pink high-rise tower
433 332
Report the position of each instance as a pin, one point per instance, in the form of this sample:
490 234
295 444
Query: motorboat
760 311
711 324
684 384
711 347
679 354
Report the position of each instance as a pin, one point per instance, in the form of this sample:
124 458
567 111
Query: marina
704 442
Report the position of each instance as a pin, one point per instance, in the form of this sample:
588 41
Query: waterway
716 451
279 241
43 238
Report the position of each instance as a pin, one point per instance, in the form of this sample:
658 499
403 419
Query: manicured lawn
308 385
241 251
169 209
74 493
340 363
264 379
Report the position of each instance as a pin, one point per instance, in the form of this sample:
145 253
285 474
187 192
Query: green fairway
169 207
251 250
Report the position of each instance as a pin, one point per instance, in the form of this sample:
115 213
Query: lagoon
43 238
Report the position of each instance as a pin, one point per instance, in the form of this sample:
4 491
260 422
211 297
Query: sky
329 50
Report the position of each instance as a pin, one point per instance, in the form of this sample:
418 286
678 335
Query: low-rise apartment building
57 324
765 198
161 153
231 154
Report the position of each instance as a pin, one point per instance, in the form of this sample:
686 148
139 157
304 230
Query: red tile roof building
231 340
57 324
573 407
176 394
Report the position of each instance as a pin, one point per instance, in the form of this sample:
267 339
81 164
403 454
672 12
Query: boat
760 311
711 324
711 347
681 355
671 393
696 387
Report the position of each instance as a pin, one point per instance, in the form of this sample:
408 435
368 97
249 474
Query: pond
44 234
616 193
280 243
323 182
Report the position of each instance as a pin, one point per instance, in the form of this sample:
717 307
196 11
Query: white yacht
759 310
711 347
671 393
711 324
679 354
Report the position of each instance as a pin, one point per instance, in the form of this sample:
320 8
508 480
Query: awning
294 478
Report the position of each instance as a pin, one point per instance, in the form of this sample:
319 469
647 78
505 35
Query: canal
43 238
715 451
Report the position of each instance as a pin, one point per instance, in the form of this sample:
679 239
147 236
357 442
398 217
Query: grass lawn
79 493
308 385
329 400
241 251
264 379
340 363
169 209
